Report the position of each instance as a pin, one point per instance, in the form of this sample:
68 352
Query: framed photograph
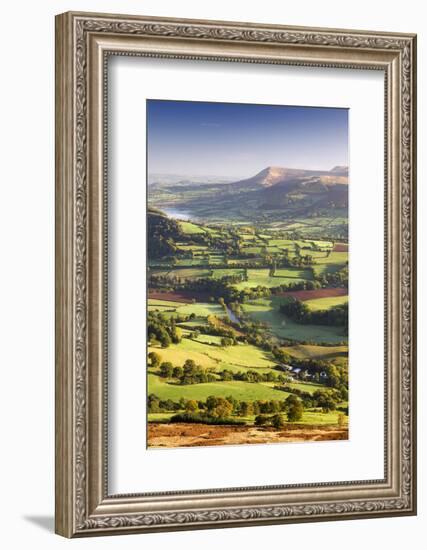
235 274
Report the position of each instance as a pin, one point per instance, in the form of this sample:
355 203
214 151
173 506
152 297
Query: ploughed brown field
202 435
341 247
169 297
313 294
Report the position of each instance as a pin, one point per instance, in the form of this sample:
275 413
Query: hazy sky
229 139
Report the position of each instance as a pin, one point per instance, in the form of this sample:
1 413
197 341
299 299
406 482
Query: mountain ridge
273 175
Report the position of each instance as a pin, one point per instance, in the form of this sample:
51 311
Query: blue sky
239 140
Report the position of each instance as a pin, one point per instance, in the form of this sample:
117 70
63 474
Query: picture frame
84 505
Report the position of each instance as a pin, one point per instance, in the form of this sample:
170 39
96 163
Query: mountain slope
272 175
276 187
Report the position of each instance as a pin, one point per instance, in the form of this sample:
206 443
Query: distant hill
340 170
276 187
272 175
285 192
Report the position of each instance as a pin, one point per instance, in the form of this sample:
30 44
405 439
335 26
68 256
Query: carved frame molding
83 42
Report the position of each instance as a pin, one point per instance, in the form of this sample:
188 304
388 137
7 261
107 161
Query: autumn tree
191 406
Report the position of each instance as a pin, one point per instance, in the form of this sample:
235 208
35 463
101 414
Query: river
232 316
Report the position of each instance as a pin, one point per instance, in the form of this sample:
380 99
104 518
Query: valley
247 321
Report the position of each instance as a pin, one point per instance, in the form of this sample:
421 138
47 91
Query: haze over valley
314 198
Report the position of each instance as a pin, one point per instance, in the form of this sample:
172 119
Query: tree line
216 409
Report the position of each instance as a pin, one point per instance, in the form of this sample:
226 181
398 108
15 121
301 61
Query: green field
215 259
252 250
267 311
191 247
261 277
318 417
192 262
187 273
282 243
293 273
241 357
305 386
239 390
334 262
201 309
324 245
208 339
326 303
219 273
319 255
339 258
191 228
316 352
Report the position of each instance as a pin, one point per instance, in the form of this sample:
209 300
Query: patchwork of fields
217 332
247 274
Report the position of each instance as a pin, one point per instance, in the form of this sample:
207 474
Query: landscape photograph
247 274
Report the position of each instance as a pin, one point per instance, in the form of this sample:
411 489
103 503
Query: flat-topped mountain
277 187
272 175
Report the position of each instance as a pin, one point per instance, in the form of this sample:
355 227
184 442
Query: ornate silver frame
83 505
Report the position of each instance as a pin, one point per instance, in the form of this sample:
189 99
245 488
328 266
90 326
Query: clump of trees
215 327
327 400
253 376
336 279
276 421
191 373
162 330
295 408
215 410
156 405
226 342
